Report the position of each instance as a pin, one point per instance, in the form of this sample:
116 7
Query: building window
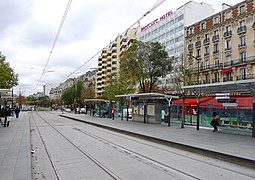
243 57
178 39
202 26
216 77
179 18
207 50
215 48
198 53
207 64
242 73
227 44
216 63
229 61
228 15
207 78
242 9
242 41
216 20
242 23
191 30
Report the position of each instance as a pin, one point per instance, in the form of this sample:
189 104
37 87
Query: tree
89 91
8 78
73 94
146 62
120 83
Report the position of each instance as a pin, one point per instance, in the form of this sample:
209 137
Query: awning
226 70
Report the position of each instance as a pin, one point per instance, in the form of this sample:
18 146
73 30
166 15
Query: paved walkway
15 155
15 151
231 147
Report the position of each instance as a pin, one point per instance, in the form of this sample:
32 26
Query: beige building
108 61
221 47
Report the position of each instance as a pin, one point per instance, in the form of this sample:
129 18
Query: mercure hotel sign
157 20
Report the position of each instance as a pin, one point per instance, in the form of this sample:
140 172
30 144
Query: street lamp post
197 93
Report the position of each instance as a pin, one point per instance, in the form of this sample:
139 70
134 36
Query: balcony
198 44
215 80
206 41
229 78
215 38
190 47
229 63
227 34
242 45
216 52
216 66
241 30
241 77
207 81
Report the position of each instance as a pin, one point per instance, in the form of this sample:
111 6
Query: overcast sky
28 29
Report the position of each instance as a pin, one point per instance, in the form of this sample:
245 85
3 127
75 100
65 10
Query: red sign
156 20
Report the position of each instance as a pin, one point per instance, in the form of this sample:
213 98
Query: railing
216 38
216 52
190 46
207 81
215 80
227 33
206 41
229 63
198 44
241 29
229 78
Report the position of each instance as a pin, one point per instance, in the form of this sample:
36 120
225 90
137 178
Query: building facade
221 48
108 61
169 30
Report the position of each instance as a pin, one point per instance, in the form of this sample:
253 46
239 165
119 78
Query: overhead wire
157 4
55 41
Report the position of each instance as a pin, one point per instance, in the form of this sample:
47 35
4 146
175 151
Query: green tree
73 94
68 96
8 78
119 84
89 91
146 62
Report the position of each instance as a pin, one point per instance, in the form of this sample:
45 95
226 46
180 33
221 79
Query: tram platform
230 147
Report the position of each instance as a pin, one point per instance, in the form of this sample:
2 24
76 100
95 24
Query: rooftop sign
157 20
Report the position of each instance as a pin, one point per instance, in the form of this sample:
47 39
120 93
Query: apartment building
108 61
221 48
169 31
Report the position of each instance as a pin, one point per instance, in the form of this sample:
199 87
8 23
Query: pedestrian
215 121
6 114
113 111
17 111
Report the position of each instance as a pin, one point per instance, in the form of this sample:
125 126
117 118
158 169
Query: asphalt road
67 149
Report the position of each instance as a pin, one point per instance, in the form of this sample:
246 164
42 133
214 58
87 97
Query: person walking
215 121
113 111
6 113
17 111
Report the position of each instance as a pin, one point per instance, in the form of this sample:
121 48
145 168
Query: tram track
128 152
162 149
105 169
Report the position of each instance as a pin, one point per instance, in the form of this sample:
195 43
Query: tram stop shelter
243 86
146 107
100 103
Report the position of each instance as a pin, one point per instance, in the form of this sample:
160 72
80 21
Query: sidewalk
15 156
234 148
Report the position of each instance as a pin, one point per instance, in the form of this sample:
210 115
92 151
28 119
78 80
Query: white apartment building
48 87
169 31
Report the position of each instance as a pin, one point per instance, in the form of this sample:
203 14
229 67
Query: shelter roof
97 100
148 96
224 87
